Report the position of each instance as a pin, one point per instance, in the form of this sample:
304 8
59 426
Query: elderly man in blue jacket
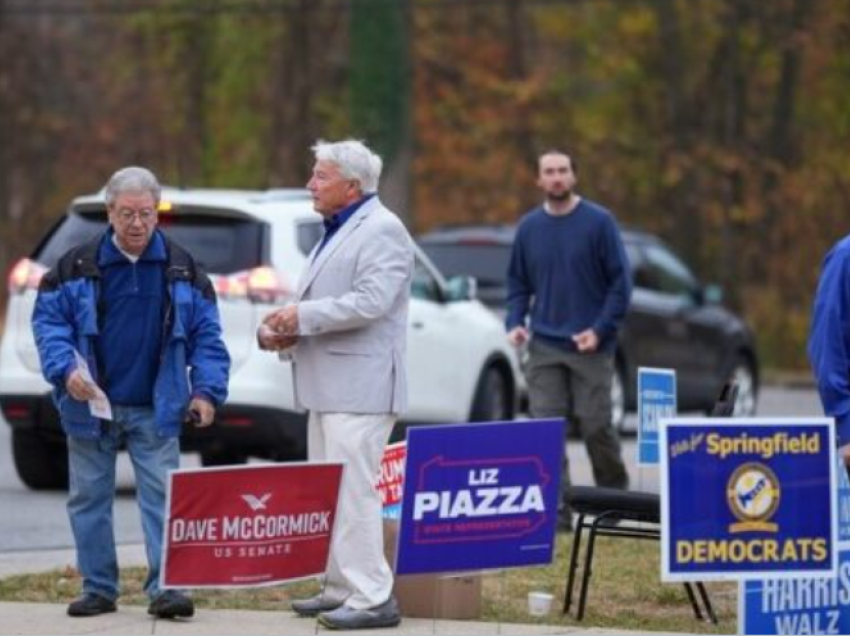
128 313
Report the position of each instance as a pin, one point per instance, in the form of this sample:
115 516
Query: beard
559 197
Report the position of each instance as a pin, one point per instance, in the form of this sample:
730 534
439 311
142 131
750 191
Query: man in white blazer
346 334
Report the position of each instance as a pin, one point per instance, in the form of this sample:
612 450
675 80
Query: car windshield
219 244
486 262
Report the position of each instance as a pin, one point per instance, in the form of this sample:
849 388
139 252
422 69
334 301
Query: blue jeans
92 476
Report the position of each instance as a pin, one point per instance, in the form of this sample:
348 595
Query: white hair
354 160
132 179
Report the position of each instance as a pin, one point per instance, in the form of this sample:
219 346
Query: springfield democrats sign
249 526
480 496
748 498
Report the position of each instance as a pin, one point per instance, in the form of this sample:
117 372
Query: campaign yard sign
748 498
391 479
480 496
843 502
797 606
803 606
656 401
249 526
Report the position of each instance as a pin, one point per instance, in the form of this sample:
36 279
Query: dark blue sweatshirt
131 307
571 273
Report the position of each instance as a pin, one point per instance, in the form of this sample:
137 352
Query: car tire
222 457
618 399
492 401
41 465
744 377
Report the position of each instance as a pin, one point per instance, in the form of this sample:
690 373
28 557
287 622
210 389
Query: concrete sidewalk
43 618
39 619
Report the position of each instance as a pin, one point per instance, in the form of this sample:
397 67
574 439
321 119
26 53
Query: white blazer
351 356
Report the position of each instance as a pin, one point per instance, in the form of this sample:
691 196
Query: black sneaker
91 605
172 604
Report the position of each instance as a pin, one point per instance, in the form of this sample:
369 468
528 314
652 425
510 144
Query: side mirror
459 288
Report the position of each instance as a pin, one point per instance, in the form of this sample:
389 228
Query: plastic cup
539 603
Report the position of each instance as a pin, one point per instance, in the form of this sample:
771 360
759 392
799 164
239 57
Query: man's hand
271 339
587 341
285 321
79 389
204 410
518 336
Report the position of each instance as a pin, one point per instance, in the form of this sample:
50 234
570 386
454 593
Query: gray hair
132 179
354 160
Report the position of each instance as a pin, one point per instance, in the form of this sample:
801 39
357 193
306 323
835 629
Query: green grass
625 592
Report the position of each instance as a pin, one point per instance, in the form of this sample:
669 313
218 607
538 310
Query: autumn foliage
722 125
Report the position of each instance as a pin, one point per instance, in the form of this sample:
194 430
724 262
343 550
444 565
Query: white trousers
358 573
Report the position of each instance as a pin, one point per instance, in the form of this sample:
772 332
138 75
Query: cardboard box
431 595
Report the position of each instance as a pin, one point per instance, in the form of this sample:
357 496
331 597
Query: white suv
254 245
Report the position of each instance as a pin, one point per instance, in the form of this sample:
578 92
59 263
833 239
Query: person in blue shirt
569 287
829 341
129 314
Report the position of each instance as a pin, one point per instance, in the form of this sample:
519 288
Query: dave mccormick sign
748 498
249 526
480 496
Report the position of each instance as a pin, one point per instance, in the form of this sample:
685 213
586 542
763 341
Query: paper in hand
99 406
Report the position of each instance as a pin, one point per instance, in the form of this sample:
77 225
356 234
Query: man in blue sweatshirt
127 313
829 341
569 274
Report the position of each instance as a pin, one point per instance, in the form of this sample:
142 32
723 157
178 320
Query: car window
71 231
641 272
424 285
308 234
633 255
664 272
221 245
487 263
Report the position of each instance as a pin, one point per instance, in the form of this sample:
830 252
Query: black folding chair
608 512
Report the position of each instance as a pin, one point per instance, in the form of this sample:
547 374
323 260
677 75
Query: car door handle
417 324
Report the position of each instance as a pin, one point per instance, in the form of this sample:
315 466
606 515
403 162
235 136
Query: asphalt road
38 521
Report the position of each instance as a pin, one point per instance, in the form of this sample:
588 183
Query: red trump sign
249 526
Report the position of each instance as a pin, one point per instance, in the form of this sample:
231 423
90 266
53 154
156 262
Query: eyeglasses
145 215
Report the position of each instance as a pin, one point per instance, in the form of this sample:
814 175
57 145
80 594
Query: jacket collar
367 209
109 254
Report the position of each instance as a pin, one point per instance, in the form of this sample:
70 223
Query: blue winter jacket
66 318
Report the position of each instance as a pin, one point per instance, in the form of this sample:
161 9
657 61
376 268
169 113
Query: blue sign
748 498
797 606
843 503
656 400
480 496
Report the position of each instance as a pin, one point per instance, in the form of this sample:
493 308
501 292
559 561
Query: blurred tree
720 124
379 81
